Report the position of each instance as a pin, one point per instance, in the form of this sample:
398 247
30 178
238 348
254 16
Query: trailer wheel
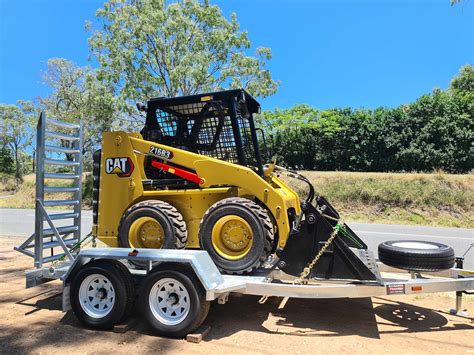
416 255
102 294
173 303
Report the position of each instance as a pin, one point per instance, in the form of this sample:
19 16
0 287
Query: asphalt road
20 222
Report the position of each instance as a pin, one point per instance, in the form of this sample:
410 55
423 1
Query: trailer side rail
271 284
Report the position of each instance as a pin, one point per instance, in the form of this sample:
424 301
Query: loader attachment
346 257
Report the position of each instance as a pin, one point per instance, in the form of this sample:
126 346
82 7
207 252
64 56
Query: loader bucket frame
346 258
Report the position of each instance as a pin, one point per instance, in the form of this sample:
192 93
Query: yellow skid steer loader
194 178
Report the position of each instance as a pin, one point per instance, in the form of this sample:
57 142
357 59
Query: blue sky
365 53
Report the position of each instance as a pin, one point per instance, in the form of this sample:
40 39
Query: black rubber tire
436 257
176 234
262 230
199 307
129 283
124 290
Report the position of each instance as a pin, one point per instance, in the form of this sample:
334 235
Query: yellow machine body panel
122 172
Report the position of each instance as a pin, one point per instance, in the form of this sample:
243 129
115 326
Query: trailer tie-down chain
76 246
303 278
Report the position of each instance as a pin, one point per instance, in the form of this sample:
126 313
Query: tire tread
123 280
176 219
416 259
261 214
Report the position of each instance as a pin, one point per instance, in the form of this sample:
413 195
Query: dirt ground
32 322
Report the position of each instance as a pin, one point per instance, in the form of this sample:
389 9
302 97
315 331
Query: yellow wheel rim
232 237
146 232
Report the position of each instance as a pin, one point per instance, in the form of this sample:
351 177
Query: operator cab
218 124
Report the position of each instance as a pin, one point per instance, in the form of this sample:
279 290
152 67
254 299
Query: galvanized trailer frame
266 282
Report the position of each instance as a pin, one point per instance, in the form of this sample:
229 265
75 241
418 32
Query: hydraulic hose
296 175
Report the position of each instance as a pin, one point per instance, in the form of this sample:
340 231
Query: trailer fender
199 260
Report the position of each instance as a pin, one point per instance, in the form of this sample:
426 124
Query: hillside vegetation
429 199
16 193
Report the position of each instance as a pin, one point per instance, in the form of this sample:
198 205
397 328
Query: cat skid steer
190 214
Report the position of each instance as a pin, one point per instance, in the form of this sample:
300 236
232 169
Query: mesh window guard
205 124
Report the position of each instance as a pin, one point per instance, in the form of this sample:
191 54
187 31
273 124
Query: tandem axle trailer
178 267
174 288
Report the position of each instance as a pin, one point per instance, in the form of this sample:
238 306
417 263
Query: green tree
152 48
435 132
16 132
7 163
281 119
464 81
77 94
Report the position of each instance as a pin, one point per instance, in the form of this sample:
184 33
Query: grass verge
429 199
16 193
436 199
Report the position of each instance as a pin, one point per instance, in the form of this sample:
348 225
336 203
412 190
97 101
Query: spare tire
416 255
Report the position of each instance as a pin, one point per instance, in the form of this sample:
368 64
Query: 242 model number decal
162 153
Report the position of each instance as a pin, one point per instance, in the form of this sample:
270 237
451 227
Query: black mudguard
338 261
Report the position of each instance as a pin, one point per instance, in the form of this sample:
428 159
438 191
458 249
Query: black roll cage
224 119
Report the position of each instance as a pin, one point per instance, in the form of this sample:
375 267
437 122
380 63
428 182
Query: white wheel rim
415 245
169 301
96 296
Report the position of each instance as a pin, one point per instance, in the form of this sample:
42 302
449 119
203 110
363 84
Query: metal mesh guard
177 122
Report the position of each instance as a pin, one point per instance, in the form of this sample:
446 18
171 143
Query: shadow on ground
293 317
412 319
300 317
37 329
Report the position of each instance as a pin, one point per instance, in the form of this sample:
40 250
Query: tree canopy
434 132
77 94
15 133
151 48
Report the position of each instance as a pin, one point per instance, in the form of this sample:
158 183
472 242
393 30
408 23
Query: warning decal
396 289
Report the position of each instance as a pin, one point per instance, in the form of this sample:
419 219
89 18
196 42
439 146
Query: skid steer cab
194 178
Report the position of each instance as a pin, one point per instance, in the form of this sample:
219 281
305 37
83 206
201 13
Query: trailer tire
173 302
102 294
129 284
416 255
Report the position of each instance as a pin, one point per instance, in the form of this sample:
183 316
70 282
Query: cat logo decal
123 167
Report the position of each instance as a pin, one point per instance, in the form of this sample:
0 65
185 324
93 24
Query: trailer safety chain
339 227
